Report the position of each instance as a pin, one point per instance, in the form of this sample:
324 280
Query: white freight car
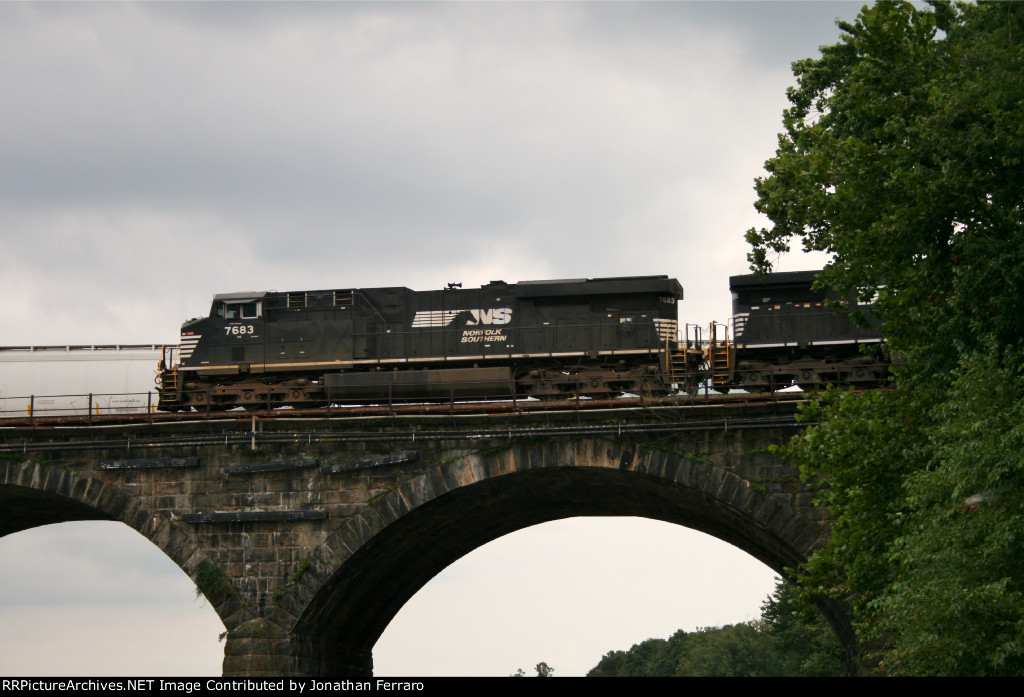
64 380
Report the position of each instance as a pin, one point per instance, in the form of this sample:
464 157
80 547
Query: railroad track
504 407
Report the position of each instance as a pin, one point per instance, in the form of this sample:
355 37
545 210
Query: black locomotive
595 337
786 333
602 336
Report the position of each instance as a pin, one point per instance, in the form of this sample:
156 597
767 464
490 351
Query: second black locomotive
784 332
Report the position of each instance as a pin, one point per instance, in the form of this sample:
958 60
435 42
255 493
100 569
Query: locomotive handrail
79 347
170 356
90 404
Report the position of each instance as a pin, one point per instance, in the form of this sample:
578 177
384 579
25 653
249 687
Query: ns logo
442 318
497 315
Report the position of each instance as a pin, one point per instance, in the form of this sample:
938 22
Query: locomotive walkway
307 535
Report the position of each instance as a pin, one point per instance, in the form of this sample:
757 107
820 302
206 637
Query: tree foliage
789 640
903 156
542 668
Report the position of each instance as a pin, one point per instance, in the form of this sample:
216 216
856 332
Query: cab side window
238 310
249 310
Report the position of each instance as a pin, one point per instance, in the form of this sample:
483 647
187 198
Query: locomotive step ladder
679 364
167 377
719 354
169 380
686 358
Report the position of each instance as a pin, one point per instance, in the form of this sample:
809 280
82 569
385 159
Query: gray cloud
247 146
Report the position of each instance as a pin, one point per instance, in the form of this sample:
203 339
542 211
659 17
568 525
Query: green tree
732 651
805 644
640 657
956 605
902 156
544 670
646 659
789 640
610 665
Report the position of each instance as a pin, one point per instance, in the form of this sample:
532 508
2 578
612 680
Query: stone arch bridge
308 535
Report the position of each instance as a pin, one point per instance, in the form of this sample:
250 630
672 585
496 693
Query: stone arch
34 494
366 571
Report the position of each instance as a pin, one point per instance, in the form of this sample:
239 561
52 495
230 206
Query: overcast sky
155 154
